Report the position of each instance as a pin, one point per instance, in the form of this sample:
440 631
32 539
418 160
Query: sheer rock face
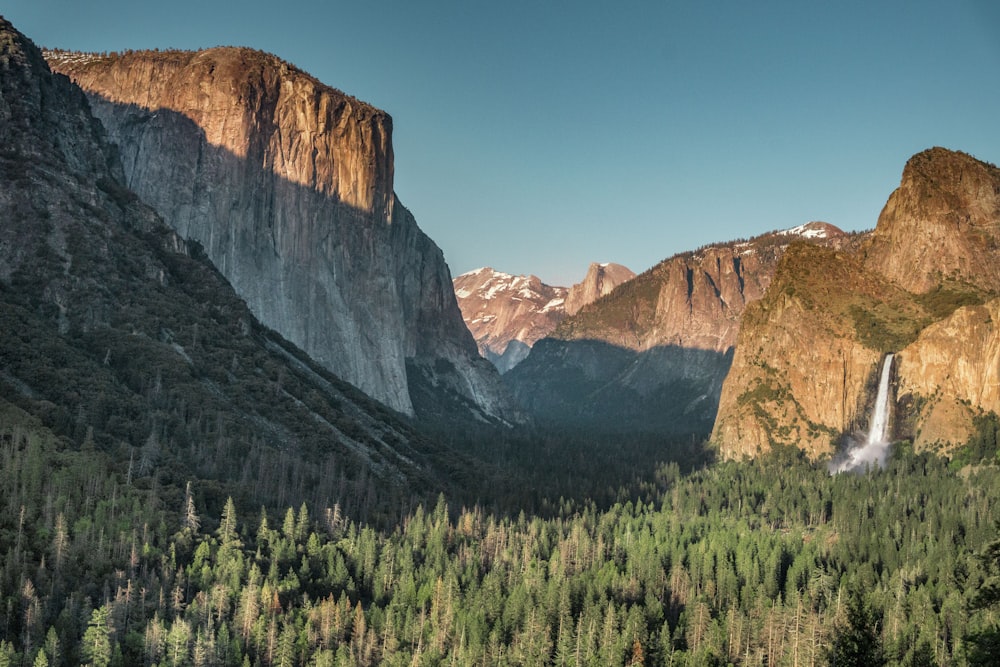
800 373
112 325
941 223
808 356
954 367
507 314
657 348
287 184
601 279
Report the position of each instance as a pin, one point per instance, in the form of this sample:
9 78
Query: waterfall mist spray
874 450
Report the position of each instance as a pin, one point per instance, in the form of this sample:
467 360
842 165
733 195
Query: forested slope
743 563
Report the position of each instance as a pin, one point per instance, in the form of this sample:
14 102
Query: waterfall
875 449
878 430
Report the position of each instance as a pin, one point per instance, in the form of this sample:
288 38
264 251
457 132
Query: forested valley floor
771 562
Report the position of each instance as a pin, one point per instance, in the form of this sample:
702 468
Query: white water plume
875 449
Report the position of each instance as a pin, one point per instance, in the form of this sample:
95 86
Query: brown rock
954 369
801 373
600 280
940 224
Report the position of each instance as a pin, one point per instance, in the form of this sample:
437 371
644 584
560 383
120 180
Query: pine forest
770 562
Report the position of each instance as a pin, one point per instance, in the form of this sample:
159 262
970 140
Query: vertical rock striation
288 185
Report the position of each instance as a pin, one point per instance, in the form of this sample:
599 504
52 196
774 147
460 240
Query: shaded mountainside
653 353
288 185
806 363
119 335
508 314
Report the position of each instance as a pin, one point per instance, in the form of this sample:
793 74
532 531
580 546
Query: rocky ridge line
652 354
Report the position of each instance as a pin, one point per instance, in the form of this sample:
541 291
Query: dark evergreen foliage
858 641
738 563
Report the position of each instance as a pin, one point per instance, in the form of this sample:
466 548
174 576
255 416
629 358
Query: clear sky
537 137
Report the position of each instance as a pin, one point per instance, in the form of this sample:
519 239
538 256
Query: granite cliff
117 334
600 280
288 185
652 354
940 224
802 371
921 286
949 375
508 314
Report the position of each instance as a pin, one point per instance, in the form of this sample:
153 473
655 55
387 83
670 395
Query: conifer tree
985 644
96 648
191 521
227 524
858 642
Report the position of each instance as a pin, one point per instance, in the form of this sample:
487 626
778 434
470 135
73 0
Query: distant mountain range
507 314
651 355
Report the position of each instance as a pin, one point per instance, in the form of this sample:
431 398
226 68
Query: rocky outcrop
507 314
940 224
600 280
801 373
807 359
118 334
656 350
288 185
950 374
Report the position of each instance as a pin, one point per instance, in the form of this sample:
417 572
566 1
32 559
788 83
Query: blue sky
537 137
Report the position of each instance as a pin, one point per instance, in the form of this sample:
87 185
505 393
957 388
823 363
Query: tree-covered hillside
764 563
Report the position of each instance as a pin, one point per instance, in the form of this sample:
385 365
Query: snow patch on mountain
810 230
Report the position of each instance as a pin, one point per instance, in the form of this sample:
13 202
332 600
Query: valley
247 417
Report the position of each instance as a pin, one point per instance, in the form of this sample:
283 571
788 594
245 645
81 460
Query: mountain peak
600 280
508 313
940 223
814 230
